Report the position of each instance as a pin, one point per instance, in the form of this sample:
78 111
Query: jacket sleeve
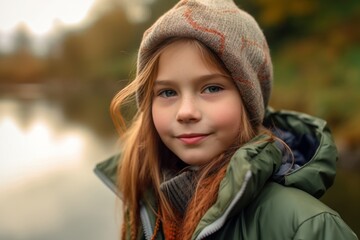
325 226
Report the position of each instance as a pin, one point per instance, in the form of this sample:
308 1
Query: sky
41 16
43 20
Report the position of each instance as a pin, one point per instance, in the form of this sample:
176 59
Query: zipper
219 223
145 222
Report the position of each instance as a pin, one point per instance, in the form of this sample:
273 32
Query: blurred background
61 62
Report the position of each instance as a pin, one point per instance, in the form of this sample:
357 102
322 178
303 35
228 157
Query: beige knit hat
230 33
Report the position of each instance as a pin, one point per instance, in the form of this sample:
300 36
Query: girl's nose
188 111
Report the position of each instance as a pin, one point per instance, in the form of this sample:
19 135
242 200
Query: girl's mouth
191 139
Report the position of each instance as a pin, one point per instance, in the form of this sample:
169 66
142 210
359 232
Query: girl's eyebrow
202 78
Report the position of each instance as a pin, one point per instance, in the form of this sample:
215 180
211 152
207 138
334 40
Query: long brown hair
143 153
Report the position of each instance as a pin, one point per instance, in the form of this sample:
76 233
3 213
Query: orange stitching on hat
201 28
244 81
263 75
247 42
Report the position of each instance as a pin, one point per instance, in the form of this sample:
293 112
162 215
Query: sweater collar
179 189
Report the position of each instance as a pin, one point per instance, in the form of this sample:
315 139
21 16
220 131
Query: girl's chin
196 161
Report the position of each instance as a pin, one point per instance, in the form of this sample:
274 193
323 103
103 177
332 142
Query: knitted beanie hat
232 34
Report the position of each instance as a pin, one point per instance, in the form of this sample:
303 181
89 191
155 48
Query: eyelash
218 88
164 93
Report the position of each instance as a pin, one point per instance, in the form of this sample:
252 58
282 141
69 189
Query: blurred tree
22 37
285 21
21 65
94 51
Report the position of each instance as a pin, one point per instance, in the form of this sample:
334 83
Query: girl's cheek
160 120
226 115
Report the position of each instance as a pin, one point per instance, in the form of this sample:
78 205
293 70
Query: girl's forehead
191 52
183 60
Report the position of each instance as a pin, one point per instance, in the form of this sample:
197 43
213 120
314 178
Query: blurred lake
47 186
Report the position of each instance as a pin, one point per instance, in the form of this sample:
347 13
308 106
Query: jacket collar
248 171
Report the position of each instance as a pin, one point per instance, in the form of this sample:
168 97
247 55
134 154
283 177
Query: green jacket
259 197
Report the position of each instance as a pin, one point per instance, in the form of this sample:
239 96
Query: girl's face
196 108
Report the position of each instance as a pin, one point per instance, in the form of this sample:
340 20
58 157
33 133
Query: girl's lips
191 139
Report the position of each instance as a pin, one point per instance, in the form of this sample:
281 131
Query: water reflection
32 146
48 190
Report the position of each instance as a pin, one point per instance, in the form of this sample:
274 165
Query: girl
204 157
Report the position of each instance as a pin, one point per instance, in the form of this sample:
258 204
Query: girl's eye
167 93
212 89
